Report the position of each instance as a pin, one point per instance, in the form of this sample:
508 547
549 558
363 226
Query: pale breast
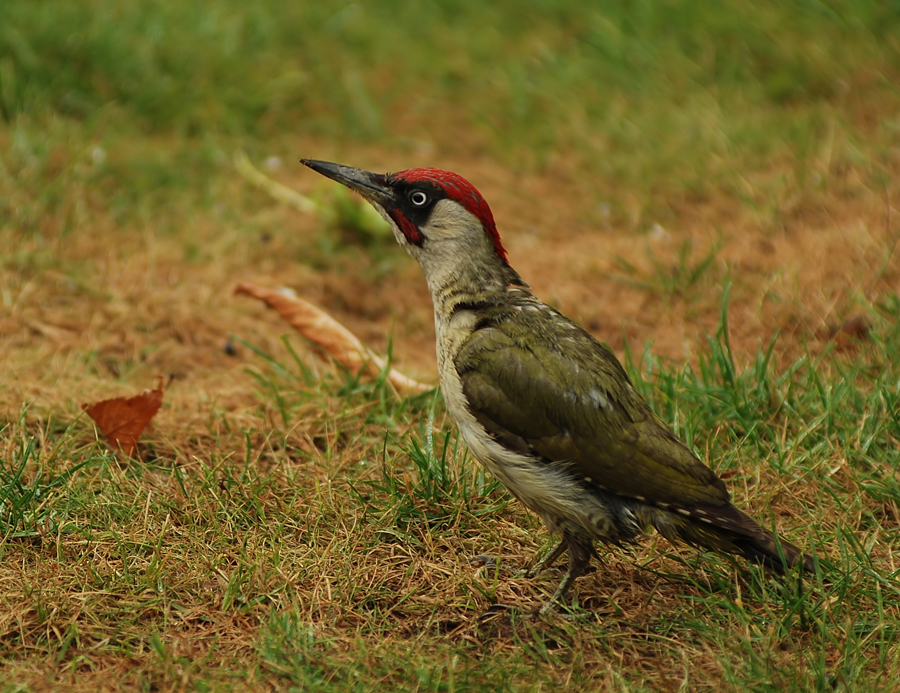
547 489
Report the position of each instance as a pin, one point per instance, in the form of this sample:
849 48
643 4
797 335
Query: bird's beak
372 186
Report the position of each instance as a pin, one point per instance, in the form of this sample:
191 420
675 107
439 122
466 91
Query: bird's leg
547 561
580 551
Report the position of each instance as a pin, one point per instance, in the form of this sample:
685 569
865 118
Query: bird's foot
546 562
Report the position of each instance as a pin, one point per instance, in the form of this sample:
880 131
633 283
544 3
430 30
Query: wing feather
568 400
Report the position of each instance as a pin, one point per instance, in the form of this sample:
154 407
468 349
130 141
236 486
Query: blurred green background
651 95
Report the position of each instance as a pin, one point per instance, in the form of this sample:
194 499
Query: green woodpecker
543 405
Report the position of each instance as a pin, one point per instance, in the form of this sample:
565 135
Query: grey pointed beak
372 186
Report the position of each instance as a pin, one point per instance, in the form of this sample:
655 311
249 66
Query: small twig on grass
280 192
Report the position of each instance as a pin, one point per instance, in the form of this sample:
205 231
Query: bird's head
438 216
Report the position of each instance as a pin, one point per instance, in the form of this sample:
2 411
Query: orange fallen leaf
322 329
121 420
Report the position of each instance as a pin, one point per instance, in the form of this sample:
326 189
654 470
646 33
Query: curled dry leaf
322 329
121 420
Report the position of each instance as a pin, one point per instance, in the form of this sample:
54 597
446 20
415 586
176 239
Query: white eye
418 198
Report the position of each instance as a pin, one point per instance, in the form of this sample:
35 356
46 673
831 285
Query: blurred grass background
648 95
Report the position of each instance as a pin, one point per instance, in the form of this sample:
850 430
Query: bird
540 402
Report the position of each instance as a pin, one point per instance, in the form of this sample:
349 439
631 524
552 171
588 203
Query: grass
731 92
310 565
710 189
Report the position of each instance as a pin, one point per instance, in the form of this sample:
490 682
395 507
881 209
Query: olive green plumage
566 400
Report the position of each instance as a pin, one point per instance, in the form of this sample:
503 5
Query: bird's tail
772 552
728 529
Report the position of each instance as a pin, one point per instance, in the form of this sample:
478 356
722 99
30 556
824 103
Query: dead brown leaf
326 332
122 420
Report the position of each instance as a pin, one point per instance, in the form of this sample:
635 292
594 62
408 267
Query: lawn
712 190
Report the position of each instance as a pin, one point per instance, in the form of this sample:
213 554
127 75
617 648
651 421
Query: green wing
567 399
